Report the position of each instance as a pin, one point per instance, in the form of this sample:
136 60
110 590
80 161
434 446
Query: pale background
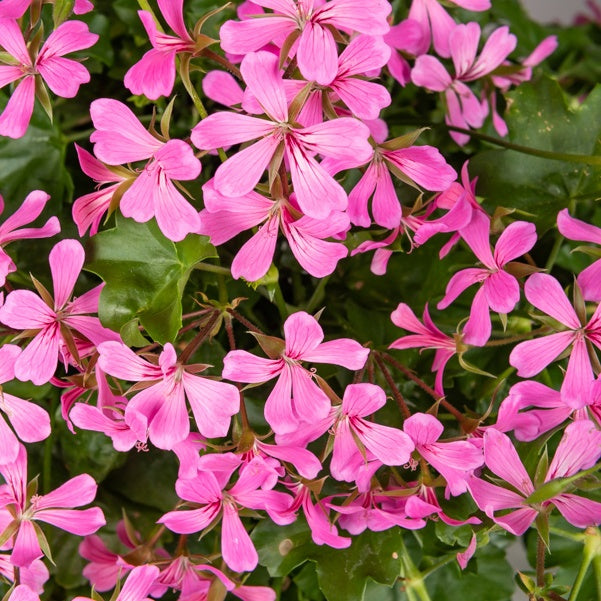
547 11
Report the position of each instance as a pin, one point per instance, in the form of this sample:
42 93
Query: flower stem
396 393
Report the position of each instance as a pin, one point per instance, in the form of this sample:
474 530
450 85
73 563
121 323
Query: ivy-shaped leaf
342 574
145 276
540 116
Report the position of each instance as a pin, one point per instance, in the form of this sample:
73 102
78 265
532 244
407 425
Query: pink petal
237 549
346 457
242 37
262 75
423 428
15 118
70 36
517 522
226 129
463 44
476 234
278 406
390 445
424 165
478 327
9 73
175 216
343 351
309 402
575 229
589 280
30 421
213 404
546 294
153 75
386 207
254 258
120 137
502 291
578 375
498 46
120 361
491 498
39 359
23 593
13 9
241 366
66 260
578 449
317 257
139 583
26 548
344 138
76 521
459 282
303 334
532 356
517 239
502 459
242 171
359 197
222 87
24 310
188 522
357 15
317 192
317 55
171 423
580 512
11 39
77 491
365 53
9 445
429 73
63 75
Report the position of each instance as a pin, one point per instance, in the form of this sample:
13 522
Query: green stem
413 579
597 570
212 268
144 5
317 295
586 562
540 562
280 303
537 152
554 252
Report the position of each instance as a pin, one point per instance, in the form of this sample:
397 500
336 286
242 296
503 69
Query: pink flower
59 323
317 193
154 74
456 460
425 335
206 492
225 217
316 52
463 107
388 445
295 397
532 356
436 24
161 407
31 422
53 508
30 210
121 138
137 586
423 165
500 290
579 449
62 75
89 209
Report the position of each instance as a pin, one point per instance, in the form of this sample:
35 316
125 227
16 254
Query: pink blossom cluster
305 112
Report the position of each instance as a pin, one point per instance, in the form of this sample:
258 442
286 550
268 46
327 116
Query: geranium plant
220 223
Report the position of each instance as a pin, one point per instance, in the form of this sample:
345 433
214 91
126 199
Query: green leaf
541 117
145 275
34 162
342 574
